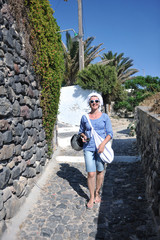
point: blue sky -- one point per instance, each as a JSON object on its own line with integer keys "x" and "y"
{"x": 128, "y": 26}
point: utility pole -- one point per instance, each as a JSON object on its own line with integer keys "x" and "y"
{"x": 80, "y": 33}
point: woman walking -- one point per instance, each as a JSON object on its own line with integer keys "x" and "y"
{"x": 94, "y": 165}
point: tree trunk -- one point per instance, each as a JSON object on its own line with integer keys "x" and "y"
{"x": 106, "y": 100}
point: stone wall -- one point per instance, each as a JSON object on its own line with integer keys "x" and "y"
{"x": 23, "y": 148}
{"x": 148, "y": 139}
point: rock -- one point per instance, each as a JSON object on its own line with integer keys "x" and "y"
{"x": 9, "y": 60}
{"x": 29, "y": 92}
{"x": 33, "y": 159}
{"x": 15, "y": 172}
{"x": 4, "y": 125}
{"x": 1, "y": 202}
{"x": 3, "y": 227}
{"x": 13, "y": 33}
{"x": 7, "y": 137}
{"x": 12, "y": 206}
{"x": 28, "y": 154}
{"x": 8, "y": 40}
{"x": 35, "y": 124}
{"x": 38, "y": 154}
{"x": 22, "y": 78}
{"x": 11, "y": 164}
{"x": 42, "y": 136}
{"x": 29, "y": 143}
{"x": 42, "y": 161}
{"x": 4, "y": 177}
{"x": 3, "y": 91}
{"x": 41, "y": 144}
{"x": 19, "y": 186}
{"x": 18, "y": 130}
{"x": 5, "y": 107}
{"x": 12, "y": 97}
{"x": 7, "y": 193}
{"x": 22, "y": 166}
{"x": 29, "y": 172}
{"x": 24, "y": 137}
{"x": 47, "y": 232}
{"x": 1, "y": 139}
{"x": 17, "y": 47}
{"x": 38, "y": 167}
{"x": 35, "y": 112}
{"x": 1, "y": 78}
{"x": 17, "y": 149}
{"x": 2, "y": 214}
{"x": 28, "y": 124}
{"x": 1, "y": 53}
{"x": 39, "y": 112}
{"x": 17, "y": 88}
{"x": 7, "y": 151}
{"x": 17, "y": 159}
{"x": 25, "y": 111}
{"x": 16, "y": 109}
{"x": 1, "y": 20}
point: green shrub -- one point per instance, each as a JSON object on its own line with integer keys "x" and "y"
{"x": 142, "y": 87}
{"x": 44, "y": 49}
{"x": 48, "y": 60}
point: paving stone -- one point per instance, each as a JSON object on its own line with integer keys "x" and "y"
{"x": 60, "y": 212}
{"x": 122, "y": 215}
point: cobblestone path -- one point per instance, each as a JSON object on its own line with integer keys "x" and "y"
{"x": 60, "y": 212}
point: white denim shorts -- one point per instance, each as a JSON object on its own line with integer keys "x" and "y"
{"x": 93, "y": 161}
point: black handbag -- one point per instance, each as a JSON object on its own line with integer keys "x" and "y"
{"x": 76, "y": 142}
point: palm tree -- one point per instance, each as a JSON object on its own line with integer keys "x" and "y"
{"x": 71, "y": 55}
{"x": 122, "y": 64}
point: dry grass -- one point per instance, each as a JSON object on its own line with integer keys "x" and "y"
{"x": 153, "y": 102}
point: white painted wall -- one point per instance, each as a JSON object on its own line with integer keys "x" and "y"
{"x": 73, "y": 104}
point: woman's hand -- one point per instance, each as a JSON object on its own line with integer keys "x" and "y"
{"x": 84, "y": 137}
{"x": 101, "y": 147}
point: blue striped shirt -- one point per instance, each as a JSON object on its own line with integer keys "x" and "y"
{"x": 101, "y": 125}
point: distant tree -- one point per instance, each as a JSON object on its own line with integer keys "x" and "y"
{"x": 140, "y": 88}
{"x": 121, "y": 63}
{"x": 71, "y": 55}
{"x": 99, "y": 78}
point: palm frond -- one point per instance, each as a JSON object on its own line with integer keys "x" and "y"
{"x": 127, "y": 75}
{"x": 121, "y": 63}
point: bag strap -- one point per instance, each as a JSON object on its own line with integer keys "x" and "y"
{"x": 87, "y": 116}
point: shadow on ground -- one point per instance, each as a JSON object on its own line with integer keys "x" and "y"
{"x": 125, "y": 147}
{"x": 124, "y": 211}
{"x": 74, "y": 177}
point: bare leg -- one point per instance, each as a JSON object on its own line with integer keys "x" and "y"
{"x": 99, "y": 181}
{"x": 91, "y": 186}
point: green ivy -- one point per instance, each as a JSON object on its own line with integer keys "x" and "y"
{"x": 48, "y": 60}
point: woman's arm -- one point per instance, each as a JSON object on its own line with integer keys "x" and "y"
{"x": 82, "y": 130}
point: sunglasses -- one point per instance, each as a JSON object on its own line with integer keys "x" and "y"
{"x": 96, "y": 101}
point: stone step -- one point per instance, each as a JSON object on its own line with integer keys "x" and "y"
{"x": 74, "y": 159}
{"x": 117, "y": 159}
